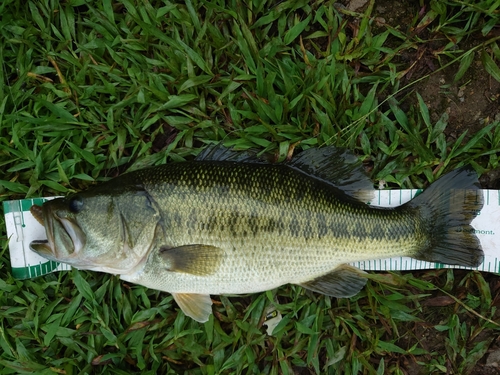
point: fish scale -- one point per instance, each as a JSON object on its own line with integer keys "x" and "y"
{"x": 230, "y": 223}
{"x": 273, "y": 213}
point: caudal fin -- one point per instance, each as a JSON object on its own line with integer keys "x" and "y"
{"x": 447, "y": 207}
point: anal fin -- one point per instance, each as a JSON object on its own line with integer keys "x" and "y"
{"x": 196, "y": 306}
{"x": 345, "y": 281}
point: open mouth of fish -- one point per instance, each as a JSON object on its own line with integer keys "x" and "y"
{"x": 64, "y": 236}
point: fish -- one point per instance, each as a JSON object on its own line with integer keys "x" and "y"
{"x": 230, "y": 222}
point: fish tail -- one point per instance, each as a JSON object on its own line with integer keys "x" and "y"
{"x": 446, "y": 209}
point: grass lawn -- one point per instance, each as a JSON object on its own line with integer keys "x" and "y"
{"x": 91, "y": 89}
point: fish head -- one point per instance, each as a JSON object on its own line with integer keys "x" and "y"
{"x": 91, "y": 231}
{"x": 64, "y": 236}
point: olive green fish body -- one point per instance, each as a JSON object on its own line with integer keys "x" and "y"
{"x": 273, "y": 224}
{"x": 229, "y": 224}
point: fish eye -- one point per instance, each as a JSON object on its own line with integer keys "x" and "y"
{"x": 75, "y": 204}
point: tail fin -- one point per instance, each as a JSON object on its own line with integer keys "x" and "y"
{"x": 447, "y": 207}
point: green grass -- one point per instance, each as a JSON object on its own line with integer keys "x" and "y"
{"x": 89, "y": 90}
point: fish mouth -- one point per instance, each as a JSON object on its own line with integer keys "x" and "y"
{"x": 64, "y": 236}
{"x": 42, "y": 247}
{"x": 37, "y": 212}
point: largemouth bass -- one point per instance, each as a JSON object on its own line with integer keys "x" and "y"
{"x": 229, "y": 223}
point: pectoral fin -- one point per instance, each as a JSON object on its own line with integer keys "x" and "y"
{"x": 196, "y": 306}
{"x": 199, "y": 260}
{"x": 345, "y": 281}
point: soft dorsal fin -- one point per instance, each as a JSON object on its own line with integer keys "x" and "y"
{"x": 338, "y": 167}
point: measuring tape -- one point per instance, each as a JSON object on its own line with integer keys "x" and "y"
{"x": 486, "y": 226}
{"x": 22, "y": 228}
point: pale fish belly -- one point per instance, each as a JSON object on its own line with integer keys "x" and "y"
{"x": 264, "y": 264}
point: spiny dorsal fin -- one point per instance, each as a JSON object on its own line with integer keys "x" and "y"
{"x": 345, "y": 281}
{"x": 218, "y": 152}
{"x": 200, "y": 260}
{"x": 339, "y": 167}
{"x": 196, "y": 306}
